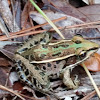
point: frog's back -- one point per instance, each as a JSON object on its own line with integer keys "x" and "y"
{"x": 52, "y": 50}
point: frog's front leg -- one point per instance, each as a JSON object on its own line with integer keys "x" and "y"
{"x": 68, "y": 81}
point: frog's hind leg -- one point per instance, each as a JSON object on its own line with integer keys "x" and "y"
{"x": 24, "y": 78}
{"x": 42, "y": 38}
{"x": 22, "y": 75}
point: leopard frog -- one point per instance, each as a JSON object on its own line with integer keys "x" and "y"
{"x": 40, "y": 59}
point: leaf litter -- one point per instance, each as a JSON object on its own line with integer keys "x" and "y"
{"x": 30, "y": 18}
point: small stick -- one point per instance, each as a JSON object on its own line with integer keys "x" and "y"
{"x": 4, "y": 88}
{"x": 90, "y": 95}
{"x": 92, "y": 81}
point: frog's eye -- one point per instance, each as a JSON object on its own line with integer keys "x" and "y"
{"x": 83, "y": 53}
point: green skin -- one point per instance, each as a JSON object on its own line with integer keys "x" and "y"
{"x": 77, "y": 48}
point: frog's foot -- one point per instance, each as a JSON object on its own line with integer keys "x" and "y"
{"x": 76, "y": 81}
{"x": 68, "y": 81}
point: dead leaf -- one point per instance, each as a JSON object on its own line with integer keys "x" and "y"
{"x": 68, "y": 33}
{"x": 4, "y": 62}
{"x": 93, "y": 63}
{"x": 17, "y": 86}
{"x": 92, "y": 12}
{"x": 69, "y": 10}
{"x": 38, "y": 18}
{"x": 25, "y": 22}
{"x": 3, "y": 76}
{"x": 7, "y": 16}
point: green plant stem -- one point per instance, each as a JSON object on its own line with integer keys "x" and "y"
{"x": 92, "y": 81}
{"x": 48, "y": 20}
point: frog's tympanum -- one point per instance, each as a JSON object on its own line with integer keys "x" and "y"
{"x": 40, "y": 59}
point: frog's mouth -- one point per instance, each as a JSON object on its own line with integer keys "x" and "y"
{"x": 96, "y": 48}
{"x": 88, "y": 53}
{"x": 91, "y": 52}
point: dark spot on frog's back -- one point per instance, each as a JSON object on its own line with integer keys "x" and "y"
{"x": 31, "y": 45}
{"x": 65, "y": 46}
{"x": 31, "y": 85}
{"x": 31, "y": 57}
{"x": 27, "y": 56}
{"x": 26, "y": 40}
{"x": 42, "y": 56}
{"x": 36, "y": 68}
{"x": 42, "y": 73}
{"x": 22, "y": 77}
{"x": 26, "y": 72}
{"x": 56, "y": 54}
{"x": 18, "y": 69}
{"x": 49, "y": 65}
{"x": 44, "y": 46}
{"x": 68, "y": 53}
{"x": 26, "y": 81}
{"x": 24, "y": 49}
{"x": 36, "y": 42}
{"x": 44, "y": 40}
{"x": 55, "y": 66}
{"x": 44, "y": 67}
{"x": 34, "y": 81}
{"x": 19, "y": 62}
{"x": 41, "y": 39}
{"x": 57, "y": 62}
{"x": 55, "y": 46}
{"x": 50, "y": 36}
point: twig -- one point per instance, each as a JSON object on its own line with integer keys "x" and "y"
{"x": 90, "y": 95}
{"x": 20, "y": 35}
{"x": 4, "y": 88}
{"x": 92, "y": 81}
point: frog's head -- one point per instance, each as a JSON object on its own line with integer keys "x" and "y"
{"x": 84, "y": 47}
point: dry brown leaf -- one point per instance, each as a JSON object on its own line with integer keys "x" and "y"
{"x": 17, "y": 86}
{"x": 25, "y": 22}
{"x": 38, "y": 18}
{"x": 3, "y": 76}
{"x": 92, "y": 12}
{"x": 7, "y": 16}
{"x": 4, "y": 62}
{"x": 69, "y": 10}
{"x": 93, "y": 63}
